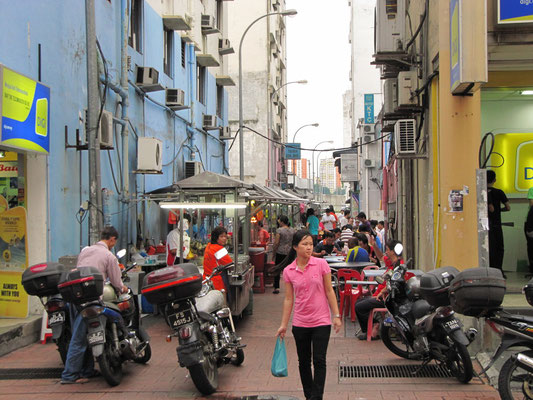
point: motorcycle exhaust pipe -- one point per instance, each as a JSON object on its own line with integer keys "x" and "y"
{"x": 523, "y": 361}
{"x": 471, "y": 334}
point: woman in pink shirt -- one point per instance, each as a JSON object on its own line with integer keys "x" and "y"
{"x": 308, "y": 288}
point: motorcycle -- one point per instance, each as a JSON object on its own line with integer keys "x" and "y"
{"x": 418, "y": 330}
{"x": 114, "y": 328}
{"x": 200, "y": 319}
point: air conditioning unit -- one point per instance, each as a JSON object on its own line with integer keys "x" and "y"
{"x": 174, "y": 97}
{"x": 210, "y": 122}
{"x": 390, "y": 88}
{"x": 404, "y": 136}
{"x": 225, "y": 133}
{"x": 390, "y": 26}
{"x": 193, "y": 168}
{"x": 369, "y": 129}
{"x": 146, "y": 76}
{"x": 407, "y": 85}
{"x": 105, "y": 129}
{"x": 149, "y": 154}
{"x": 368, "y": 163}
{"x": 367, "y": 138}
{"x": 208, "y": 22}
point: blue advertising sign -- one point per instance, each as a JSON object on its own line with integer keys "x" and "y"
{"x": 455, "y": 45}
{"x": 292, "y": 151}
{"x": 369, "y": 108}
{"x": 515, "y": 11}
{"x": 24, "y": 112}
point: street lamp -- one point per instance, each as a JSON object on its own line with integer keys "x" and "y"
{"x": 271, "y": 169}
{"x": 303, "y": 126}
{"x": 241, "y": 123}
{"x": 313, "y": 159}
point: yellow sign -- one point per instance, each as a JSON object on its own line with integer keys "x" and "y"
{"x": 512, "y": 160}
{"x": 13, "y": 297}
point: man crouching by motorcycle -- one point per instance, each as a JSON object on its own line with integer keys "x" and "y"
{"x": 79, "y": 366}
{"x": 364, "y": 306}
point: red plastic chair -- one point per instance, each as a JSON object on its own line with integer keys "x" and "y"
{"x": 370, "y": 324}
{"x": 348, "y": 296}
{"x": 369, "y": 289}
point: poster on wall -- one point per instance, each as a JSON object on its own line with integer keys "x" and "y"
{"x": 515, "y": 11}
{"x": 13, "y": 260}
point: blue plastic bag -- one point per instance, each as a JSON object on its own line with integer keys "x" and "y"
{"x": 279, "y": 360}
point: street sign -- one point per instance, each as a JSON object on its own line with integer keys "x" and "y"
{"x": 292, "y": 151}
{"x": 369, "y": 108}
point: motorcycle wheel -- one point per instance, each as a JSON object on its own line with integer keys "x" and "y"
{"x": 238, "y": 357}
{"x": 205, "y": 375}
{"x": 459, "y": 363}
{"x": 110, "y": 366}
{"x": 62, "y": 344}
{"x": 145, "y": 355}
{"x": 397, "y": 346}
{"x": 514, "y": 381}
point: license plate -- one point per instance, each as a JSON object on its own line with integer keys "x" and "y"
{"x": 97, "y": 337}
{"x": 56, "y": 318}
{"x": 180, "y": 318}
{"x": 452, "y": 325}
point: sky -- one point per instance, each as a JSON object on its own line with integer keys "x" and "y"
{"x": 318, "y": 51}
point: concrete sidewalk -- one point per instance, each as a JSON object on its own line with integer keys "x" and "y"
{"x": 162, "y": 377}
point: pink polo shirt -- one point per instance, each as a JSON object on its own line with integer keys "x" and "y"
{"x": 311, "y": 307}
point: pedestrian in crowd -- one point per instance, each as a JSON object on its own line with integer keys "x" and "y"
{"x": 346, "y": 233}
{"x": 282, "y": 246}
{"x": 528, "y": 229}
{"x": 361, "y": 217}
{"x": 344, "y": 219}
{"x": 363, "y": 228}
{"x": 381, "y": 230}
{"x": 329, "y": 220}
{"x": 365, "y": 305}
{"x": 337, "y": 237}
{"x": 373, "y": 251}
{"x": 308, "y": 288}
{"x": 355, "y": 252}
{"x": 326, "y": 246}
{"x": 312, "y": 224}
{"x": 219, "y": 238}
{"x": 262, "y": 234}
{"x": 495, "y": 199}
{"x": 174, "y": 240}
{"x": 79, "y": 365}
{"x": 377, "y": 233}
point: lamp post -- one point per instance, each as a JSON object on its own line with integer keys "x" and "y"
{"x": 271, "y": 169}
{"x": 241, "y": 123}
{"x": 303, "y": 126}
{"x": 313, "y": 159}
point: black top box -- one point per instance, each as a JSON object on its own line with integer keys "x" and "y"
{"x": 42, "y": 279}
{"x": 82, "y": 285}
{"x": 175, "y": 282}
{"x": 434, "y": 285}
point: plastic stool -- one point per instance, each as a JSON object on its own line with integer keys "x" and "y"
{"x": 370, "y": 323}
{"x": 259, "y": 283}
{"x": 46, "y": 332}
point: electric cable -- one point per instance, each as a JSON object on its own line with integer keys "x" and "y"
{"x": 235, "y": 137}
{"x": 482, "y": 149}
{"x": 413, "y": 38}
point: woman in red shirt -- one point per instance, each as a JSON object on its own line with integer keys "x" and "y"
{"x": 219, "y": 238}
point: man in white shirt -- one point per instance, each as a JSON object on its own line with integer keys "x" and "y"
{"x": 173, "y": 243}
{"x": 329, "y": 220}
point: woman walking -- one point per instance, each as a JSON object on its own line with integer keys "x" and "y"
{"x": 282, "y": 246}
{"x": 308, "y": 288}
{"x": 312, "y": 224}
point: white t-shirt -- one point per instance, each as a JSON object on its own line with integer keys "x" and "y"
{"x": 342, "y": 221}
{"x": 173, "y": 242}
{"x": 328, "y": 221}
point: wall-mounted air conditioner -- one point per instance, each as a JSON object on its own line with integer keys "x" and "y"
{"x": 146, "y": 76}
{"x": 208, "y": 22}
{"x": 390, "y": 26}
{"x": 149, "y": 154}
{"x": 369, "y": 129}
{"x": 105, "y": 129}
{"x": 224, "y": 47}
{"x": 368, "y": 138}
{"x": 210, "y": 122}
{"x": 368, "y": 163}
{"x": 225, "y": 133}
{"x": 174, "y": 97}
{"x": 193, "y": 168}
{"x": 407, "y": 85}
{"x": 404, "y": 136}
{"x": 390, "y": 88}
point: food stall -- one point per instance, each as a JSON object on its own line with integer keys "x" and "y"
{"x": 212, "y": 200}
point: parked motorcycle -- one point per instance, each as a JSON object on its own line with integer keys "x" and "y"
{"x": 200, "y": 319}
{"x": 425, "y": 328}
{"x": 41, "y": 280}
{"x": 115, "y": 332}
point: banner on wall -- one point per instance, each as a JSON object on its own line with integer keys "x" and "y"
{"x": 13, "y": 297}
{"x": 515, "y": 11}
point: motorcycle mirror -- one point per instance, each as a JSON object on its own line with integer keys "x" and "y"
{"x": 221, "y": 253}
{"x": 398, "y": 249}
{"x": 121, "y": 253}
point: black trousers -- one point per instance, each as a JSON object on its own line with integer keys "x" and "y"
{"x": 496, "y": 247}
{"x": 279, "y": 259}
{"x": 312, "y": 342}
{"x": 363, "y": 308}
{"x": 530, "y": 253}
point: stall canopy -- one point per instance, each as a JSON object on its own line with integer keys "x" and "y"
{"x": 263, "y": 193}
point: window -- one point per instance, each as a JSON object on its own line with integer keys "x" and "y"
{"x": 168, "y": 51}
{"x": 183, "y": 52}
{"x": 201, "y": 84}
{"x": 220, "y": 100}
{"x": 135, "y": 34}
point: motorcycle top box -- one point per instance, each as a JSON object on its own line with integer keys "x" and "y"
{"x": 82, "y": 285}
{"x": 476, "y": 290}
{"x": 528, "y": 291}
{"x": 434, "y": 285}
{"x": 172, "y": 283}
{"x": 42, "y": 279}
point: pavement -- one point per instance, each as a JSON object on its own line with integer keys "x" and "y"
{"x": 162, "y": 378}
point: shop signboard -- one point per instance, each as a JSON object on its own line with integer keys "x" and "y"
{"x": 24, "y": 112}
{"x": 513, "y": 154}
{"x": 515, "y": 11}
{"x": 349, "y": 171}
{"x": 369, "y": 108}
{"x": 292, "y": 151}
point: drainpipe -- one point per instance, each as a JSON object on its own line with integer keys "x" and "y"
{"x": 95, "y": 219}
{"x": 125, "y": 128}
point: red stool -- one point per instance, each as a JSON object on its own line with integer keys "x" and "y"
{"x": 370, "y": 324}
{"x": 350, "y": 295}
{"x": 259, "y": 283}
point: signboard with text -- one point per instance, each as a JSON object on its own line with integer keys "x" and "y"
{"x": 515, "y": 11}
{"x": 369, "y": 108}
{"x": 292, "y": 151}
{"x": 24, "y": 112}
{"x": 349, "y": 172}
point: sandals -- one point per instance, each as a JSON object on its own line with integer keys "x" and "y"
{"x": 72, "y": 382}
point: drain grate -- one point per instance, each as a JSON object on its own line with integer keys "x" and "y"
{"x": 30, "y": 373}
{"x": 393, "y": 371}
